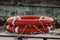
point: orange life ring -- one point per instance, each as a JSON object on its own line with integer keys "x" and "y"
{"x": 28, "y": 30}
{"x": 32, "y": 20}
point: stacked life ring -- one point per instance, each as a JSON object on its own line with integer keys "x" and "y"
{"x": 29, "y": 24}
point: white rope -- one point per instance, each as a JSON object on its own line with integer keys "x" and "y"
{"x": 40, "y": 21}
{"x": 18, "y": 17}
{"x": 13, "y": 22}
{"x": 14, "y": 19}
{"x": 24, "y": 29}
{"x": 41, "y": 17}
{"x": 37, "y": 28}
{"x": 10, "y": 18}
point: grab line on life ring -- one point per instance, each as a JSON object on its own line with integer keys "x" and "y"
{"x": 27, "y": 30}
{"x": 14, "y": 19}
{"x": 40, "y": 21}
{"x": 37, "y": 28}
{"x": 24, "y": 29}
{"x": 16, "y": 29}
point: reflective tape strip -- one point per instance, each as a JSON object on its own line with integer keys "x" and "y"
{"x": 48, "y": 28}
{"x": 16, "y": 29}
{"x": 7, "y": 26}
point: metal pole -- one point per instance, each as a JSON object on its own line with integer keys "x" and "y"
{"x": 44, "y": 38}
{"x": 21, "y": 38}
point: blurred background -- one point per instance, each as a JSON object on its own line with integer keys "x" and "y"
{"x": 7, "y": 11}
{"x": 29, "y": 7}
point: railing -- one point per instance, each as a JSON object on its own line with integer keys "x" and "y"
{"x": 24, "y": 37}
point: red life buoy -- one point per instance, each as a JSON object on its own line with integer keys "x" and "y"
{"x": 32, "y": 20}
{"x": 26, "y": 30}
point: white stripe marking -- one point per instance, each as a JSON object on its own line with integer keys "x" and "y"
{"x": 16, "y": 29}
